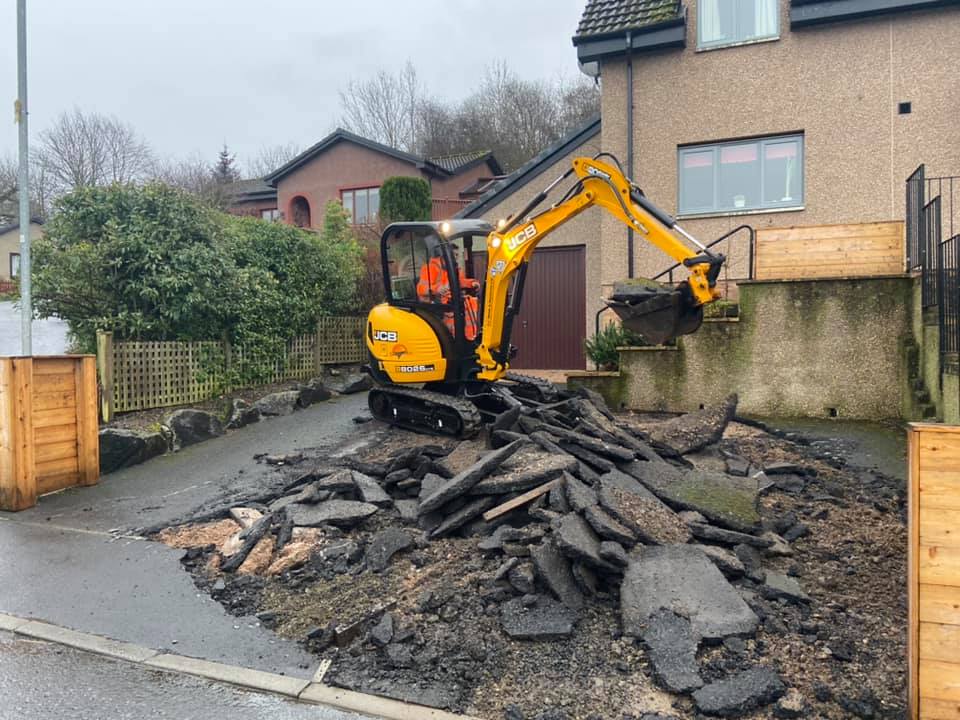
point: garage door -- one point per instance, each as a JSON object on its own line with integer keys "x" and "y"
{"x": 549, "y": 331}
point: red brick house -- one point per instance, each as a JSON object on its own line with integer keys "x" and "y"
{"x": 349, "y": 168}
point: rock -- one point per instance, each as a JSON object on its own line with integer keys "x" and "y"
{"x": 791, "y": 705}
{"x": 796, "y": 532}
{"x": 778, "y": 546}
{"x": 370, "y": 490}
{"x": 241, "y": 414}
{"x": 643, "y": 514}
{"x": 728, "y": 537}
{"x": 752, "y": 562}
{"x": 382, "y": 632}
{"x": 691, "y": 517}
{"x": 190, "y": 427}
{"x": 542, "y": 471}
{"x": 513, "y": 712}
{"x": 121, "y": 448}
{"x": 331, "y": 512}
{"x": 785, "y": 468}
{"x": 862, "y": 708}
{"x": 521, "y": 577}
{"x": 545, "y": 620}
{"x": 408, "y": 509}
{"x": 614, "y": 553}
{"x": 557, "y": 500}
{"x": 789, "y": 483}
{"x": 399, "y": 656}
{"x": 576, "y": 539}
{"x": 607, "y": 527}
{"x": 340, "y": 481}
{"x": 682, "y": 579}
{"x": 672, "y": 650}
{"x": 384, "y": 545}
{"x": 695, "y": 430}
{"x": 278, "y": 403}
{"x": 351, "y": 383}
{"x": 735, "y": 645}
{"x": 313, "y": 392}
{"x": 738, "y": 695}
{"x": 728, "y": 563}
{"x": 579, "y": 495}
{"x": 395, "y": 476}
{"x": 465, "y": 514}
{"x": 842, "y": 649}
{"x": 464, "y": 481}
{"x": 723, "y": 499}
{"x": 505, "y": 568}
{"x": 554, "y": 570}
{"x": 822, "y": 691}
{"x": 585, "y": 578}
{"x": 736, "y": 465}
{"x": 782, "y": 587}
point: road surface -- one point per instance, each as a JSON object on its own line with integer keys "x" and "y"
{"x": 49, "y": 336}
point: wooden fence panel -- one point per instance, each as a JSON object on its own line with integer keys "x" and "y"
{"x": 830, "y": 251}
{"x": 934, "y": 572}
{"x": 142, "y": 375}
{"x": 48, "y": 427}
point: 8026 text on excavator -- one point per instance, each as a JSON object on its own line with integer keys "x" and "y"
{"x": 440, "y": 345}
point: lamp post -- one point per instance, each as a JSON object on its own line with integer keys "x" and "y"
{"x": 26, "y": 305}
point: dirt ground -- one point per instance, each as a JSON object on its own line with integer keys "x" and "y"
{"x": 844, "y": 651}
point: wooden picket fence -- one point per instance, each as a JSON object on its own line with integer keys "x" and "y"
{"x": 140, "y": 375}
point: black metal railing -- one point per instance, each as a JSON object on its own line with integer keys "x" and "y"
{"x": 916, "y": 190}
{"x": 669, "y": 272}
{"x": 948, "y": 285}
{"x": 930, "y": 252}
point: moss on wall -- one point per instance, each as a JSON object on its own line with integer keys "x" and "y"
{"x": 799, "y": 348}
{"x": 951, "y": 398}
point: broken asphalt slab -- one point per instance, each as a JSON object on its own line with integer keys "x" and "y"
{"x": 672, "y": 649}
{"x": 681, "y": 578}
{"x": 738, "y": 695}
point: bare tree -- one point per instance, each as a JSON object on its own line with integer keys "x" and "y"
{"x": 269, "y": 158}
{"x": 384, "y": 108}
{"x": 82, "y": 149}
{"x": 8, "y": 182}
{"x": 193, "y": 175}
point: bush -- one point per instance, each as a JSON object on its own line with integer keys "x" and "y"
{"x": 152, "y": 263}
{"x": 405, "y": 199}
{"x": 602, "y": 347}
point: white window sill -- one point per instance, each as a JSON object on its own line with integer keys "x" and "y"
{"x": 755, "y": 41}
{"x": 735, "y": 213}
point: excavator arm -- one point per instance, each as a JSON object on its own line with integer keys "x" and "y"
{"x": 658, "y": 313}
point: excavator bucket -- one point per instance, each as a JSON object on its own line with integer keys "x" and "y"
{"x": 658, "y": 313}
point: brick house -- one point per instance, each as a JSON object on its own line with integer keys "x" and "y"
{"x": 775, "y": 113}
{"x": 10, "y": 248}
{"x": 349, "y": 168}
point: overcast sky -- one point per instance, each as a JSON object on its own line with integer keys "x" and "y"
{"x": 191, "y": 74}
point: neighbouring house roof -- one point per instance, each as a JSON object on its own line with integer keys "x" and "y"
{"x": 814, "y": 12}
{"x": 481, "y": 185}
{"x": 604, "y": 17}
{"x": 250, "y": 190}
{"x": 459, "y": 162}
{"x": 15, "y": 225}
{"x": 531, "y": 169}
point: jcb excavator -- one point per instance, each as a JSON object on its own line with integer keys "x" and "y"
{"x": 436, "y": 370}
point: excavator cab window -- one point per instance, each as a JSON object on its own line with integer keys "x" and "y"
{"x": 415, "y": 269}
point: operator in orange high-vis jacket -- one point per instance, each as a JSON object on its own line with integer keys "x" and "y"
{"x": 434, "y": 286}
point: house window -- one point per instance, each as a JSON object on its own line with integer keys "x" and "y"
{"x": 728, "y": 22}
{"x": 363, "y": 204}
{"x": 272, "y": 215}
{"x": 745, "y": 175}
{"x": 14, "y": 265}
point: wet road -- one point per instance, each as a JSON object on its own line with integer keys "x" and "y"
{"x": 39, "y": 680}
{"x": 49, "y": 337}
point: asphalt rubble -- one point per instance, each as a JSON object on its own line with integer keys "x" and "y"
{"x": 574, "y": 563}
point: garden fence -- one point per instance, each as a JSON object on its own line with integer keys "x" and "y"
{"x": 140, "y": 375}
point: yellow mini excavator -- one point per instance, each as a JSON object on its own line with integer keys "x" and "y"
{"x": 440, "y": 345}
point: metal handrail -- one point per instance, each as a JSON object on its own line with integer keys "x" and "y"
{"x": 753, "y": 234}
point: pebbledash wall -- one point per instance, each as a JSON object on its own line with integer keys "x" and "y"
{"x": 800, "y": 348}
{"x": 858, "y": 149}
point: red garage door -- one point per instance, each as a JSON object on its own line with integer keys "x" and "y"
{"x": 549, "y": 331}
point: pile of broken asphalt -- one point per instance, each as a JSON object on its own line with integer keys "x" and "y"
{"x": 580, "y": 564}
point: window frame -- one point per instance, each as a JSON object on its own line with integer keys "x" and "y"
{"x": 717, "y": 44}
{"x": 798, "y": 202}
{"x": 14, "y": 275}
{"x": 353, "y": 203}
{"x": 274, "y": 214}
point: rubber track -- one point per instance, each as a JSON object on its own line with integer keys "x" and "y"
{"x": 469, "y": 415}
{"x": 548, "y": 391}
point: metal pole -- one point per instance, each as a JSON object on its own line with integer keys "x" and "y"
{"x": 630, "y": 259}
{"x": 26, "y": 305}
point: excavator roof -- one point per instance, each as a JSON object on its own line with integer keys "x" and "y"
{"x": 449, "y": 228}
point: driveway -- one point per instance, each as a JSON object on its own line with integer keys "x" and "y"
{"x": 76, "y": 559}
{"x": 49, "y": 336}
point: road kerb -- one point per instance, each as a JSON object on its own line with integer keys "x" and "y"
{"x": 255, "y": 679}
{"x": 11, "y": 622}
{"x": 85, "y": 641}
{"x": 373, "y": 704}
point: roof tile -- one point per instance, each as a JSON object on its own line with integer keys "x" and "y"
{"x": 602, "y": 17}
